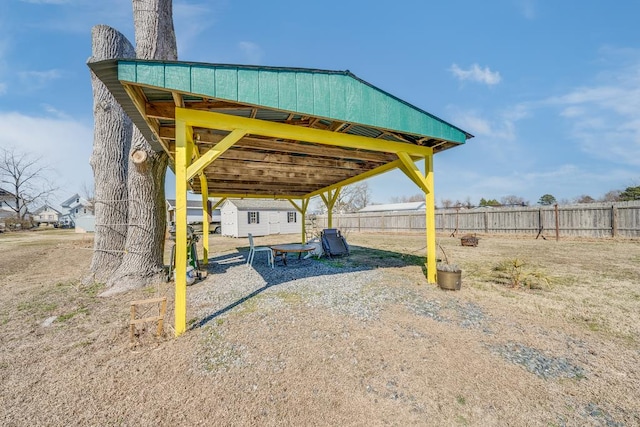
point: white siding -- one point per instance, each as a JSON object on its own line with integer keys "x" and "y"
{"x": 260, "y": 229}
{"x": 290, "y": 227}
{"x": 235, "y": 222}
{"x": 229, "y": 219}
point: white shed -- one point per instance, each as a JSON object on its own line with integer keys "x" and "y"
{"x": 259, "y": 217}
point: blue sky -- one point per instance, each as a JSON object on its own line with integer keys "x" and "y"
{"x": 550, "y": 89}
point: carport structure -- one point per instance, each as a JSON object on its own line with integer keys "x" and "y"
{"x": 272, "y": 132}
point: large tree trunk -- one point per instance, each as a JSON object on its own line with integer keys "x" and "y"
{"x": 111, "y": 145}
{"x": 143, "y": 261}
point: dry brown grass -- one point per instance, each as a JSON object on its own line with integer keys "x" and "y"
{"x": 429, "y": 358}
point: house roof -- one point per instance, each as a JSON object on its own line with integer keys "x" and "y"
{"x": 5, "y": 193}
{"x": 194, "y": 204}
{"x": 410, "y": 206}
{"x": 41, "y": 208}
{"x": 67, "y": 203}
{"x": 306, "y": 130}
{"x": 262, "y": 205}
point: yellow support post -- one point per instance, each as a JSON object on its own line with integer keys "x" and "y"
{"x": 425, "y": 182}
{"x": 430, "y": 220}
{"x": 329, "y": 201}
{"x": 184, "y": 143}
{"x": 303, "y": 212}
{"x": 206, "y": 217}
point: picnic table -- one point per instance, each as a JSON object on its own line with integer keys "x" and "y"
{"x": 282, "y": 250}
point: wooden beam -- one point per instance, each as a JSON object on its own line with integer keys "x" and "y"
{"x": 303, "y": 168}
{"x": 269, "y": 144}
{"x": 285, "y": 177}
{"x": 214, "y": 153}
{"x": 178, "y": 100}
{"x": 290, "y": 160}
{"x": 377, "y": 171}
{"x": 139, "y": 100}
{"x": 288, "y": 132}
{"x": 270, "y": 187}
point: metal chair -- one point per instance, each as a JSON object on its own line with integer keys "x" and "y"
{"x": 334, "y": 243}
{"x": 253, "y": 249}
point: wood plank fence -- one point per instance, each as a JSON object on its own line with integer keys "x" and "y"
{"x": 620, "y": 219}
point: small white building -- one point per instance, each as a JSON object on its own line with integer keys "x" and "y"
{"x": 46, "y": 215}
{"x": 75, "y": 207}
{"x": 395, "y": 207}
{"x": 259, "y": 217}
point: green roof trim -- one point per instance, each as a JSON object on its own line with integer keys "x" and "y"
{"x": 335, "y": 95}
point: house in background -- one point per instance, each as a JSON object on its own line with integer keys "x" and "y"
{"x": 46, "y": 214}
{"x": 194, "y": 214}
{"x": 259, "y": 217}
{"x": 73, "y": 208}
{"x": 8, "y": 205}
{"x": 395, "y": 207}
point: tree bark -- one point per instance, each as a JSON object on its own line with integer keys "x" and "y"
{"x": 111, "y": 144}
{"x": 143, "y": 261}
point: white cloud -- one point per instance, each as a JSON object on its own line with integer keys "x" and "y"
{"x": 476, "y": 74}
{"x": 603, "y": 117}
{"x": 38, "y": 79}
{"x": 191, "y": 21}
{"x": 501, "y": 127}
{"x": 63, "y": 144}
{"x": 252, "y": 52}
{"x": 4, "y": 47}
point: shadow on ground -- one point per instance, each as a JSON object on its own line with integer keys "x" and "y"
{"x": 360, "y": 258}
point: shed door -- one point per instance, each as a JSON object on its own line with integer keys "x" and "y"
{"x": 274, "y": 223}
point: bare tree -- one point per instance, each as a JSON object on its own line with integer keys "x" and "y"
{"x": 418, "y": 197}
{"x": 111, "y": 145}
{"x": 512, "y": 200}
{"x": 143, "y": 261}
{"x": 353, "y": 198}
{"x": 585, "y": 198}
{"x": 611, "y": 196}
{"x": 446, "y": 203}
{"x": 24, "y": 176}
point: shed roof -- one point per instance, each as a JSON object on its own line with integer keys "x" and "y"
{"x": 262, "y": 204}
{"x": 268, "y": 165}
{"x": 409, "y": 206}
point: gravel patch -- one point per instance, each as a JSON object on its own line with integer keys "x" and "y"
{"x": 534, "y": 361}
{"x": 466, "y": 315}
{"x": 316, "y": 283}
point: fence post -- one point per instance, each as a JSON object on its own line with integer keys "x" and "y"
{"x": 614, "y": 220}
{"x": 557, "y": 223}
{"x": 486, "y": 220}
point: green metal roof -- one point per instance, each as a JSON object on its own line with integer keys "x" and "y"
{"x": 332, "y": 101}
{"x": 335, "y": 95}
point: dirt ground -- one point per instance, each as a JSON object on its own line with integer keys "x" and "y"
{"x": 489, "y": 354}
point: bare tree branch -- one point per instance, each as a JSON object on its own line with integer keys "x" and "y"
{"x": 25, "y": 177}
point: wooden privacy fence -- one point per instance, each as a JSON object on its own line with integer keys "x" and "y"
{"x": 620, "y": 219}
